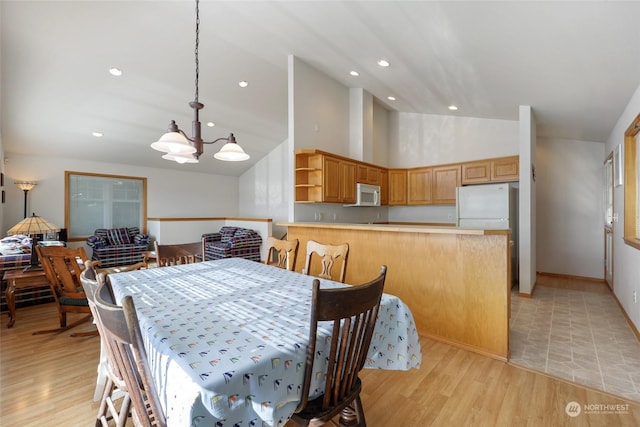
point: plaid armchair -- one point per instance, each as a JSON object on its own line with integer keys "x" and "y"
{"x": 118, "y": 246}
{"x": 232, "y": 242}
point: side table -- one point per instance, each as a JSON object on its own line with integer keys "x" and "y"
{"x": 20, "y": 279}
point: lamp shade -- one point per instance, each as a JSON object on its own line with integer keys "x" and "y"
{"x": 173, "y": 143}
{"x": 180, "y": 158}
{"x": 231, "y": 152}
{"x": 25, "y": 185}
{"x": 33, "y": 225}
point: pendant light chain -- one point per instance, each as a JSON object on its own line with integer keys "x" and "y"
{"x": 197, "y": 43}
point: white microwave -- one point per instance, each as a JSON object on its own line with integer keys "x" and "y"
{"x": 367, "y": 195}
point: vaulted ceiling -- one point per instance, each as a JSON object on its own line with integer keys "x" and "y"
{"x": 576, "y": 63}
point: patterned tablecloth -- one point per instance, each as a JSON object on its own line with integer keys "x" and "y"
{"x": 227, "y": 339}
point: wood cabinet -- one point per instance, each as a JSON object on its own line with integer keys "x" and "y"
{"x": 309, "y": 177}
{"x": 324, "y": 178}
{"x": 384, "y": 187}
{"x": 445, "y": 181}
{"x": 476, "y": 172}
{"x": 330, "y": 178}
{"x": 505, "y": 169}
{"x": 419, "y": 181}
{"x": 339, "y": 180}
{"x": 368, "y": 174}
{"x": 501, "y": 169}
{"x": 397, "y": 187}
{"x": 347, "y": 180}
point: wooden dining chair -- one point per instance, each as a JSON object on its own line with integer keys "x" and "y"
{"x": 350, "y": 313}
{"x": 115, "y": 403}
{"x": 329, "y": 255}
{"x": 282, "y": 253}
{"x": 183, "y": 253}
{"x": 62, "y": 266}
{"x": 125, "y": 343}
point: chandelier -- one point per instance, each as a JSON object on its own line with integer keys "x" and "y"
{"x": 184, "y": 149}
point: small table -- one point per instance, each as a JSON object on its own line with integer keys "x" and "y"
{"x": 21, "y": 279}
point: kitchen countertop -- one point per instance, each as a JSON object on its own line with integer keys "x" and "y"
{"x": 402, "y": 228}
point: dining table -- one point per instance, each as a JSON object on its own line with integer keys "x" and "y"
{"x": 227, "y": 339}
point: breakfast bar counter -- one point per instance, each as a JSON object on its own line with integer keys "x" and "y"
{"x": 456, "y": 281}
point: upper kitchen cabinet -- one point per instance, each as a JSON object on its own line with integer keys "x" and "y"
{"x": 309, "y": 177}
{"x": 384, "y": 187}
{"x": 368, "y": 174}
{"x": 501, "y": 169}
{"x": 419, "y": 182}
{"x": 397, "y": 187}
{"x": 505, "y": 169}
{"x": 324, "y": 178}
{"x": 347, "y": 179}
{"x": 445, "y": 181}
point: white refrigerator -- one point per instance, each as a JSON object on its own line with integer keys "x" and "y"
{"x": 493, "y": 206}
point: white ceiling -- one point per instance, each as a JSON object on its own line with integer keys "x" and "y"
{"x": 576, "y": 63}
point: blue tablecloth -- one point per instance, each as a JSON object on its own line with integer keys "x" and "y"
{"x": 227, "y": 339}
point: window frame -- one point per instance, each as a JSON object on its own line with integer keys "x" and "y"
{"x": 631, "y": 176}
{"x": 67, "y": 210}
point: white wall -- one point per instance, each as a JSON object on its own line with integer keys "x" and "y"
{"x": 266, "y": 188}
{"x": 569, "y": 207}
{"x": 626, "y": 259}
{"x": 320, "y": 110}
{"x": 527, "y": 201}
{"x": 169, "y": 193}
{"x": 426, "y": 139}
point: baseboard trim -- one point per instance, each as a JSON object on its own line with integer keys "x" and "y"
{"x": 568, "y": 276}
{"x": 626, "y": 316}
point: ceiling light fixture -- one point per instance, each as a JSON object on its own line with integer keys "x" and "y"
{"x": 114, "y": 71}
{"x": 391, "y": 98}
{"x": 383, "y": 63}
{"x": 354, "y": 73}
{"x": 97, "y": 134}
{"x": 243, "y": 83}
{"x": 183, "y": 149}
{"x": 452, "y": 107}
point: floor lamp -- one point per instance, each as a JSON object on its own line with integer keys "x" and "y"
{"x": 25, "y": 186}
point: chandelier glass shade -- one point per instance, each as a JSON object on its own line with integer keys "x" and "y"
{"x": 174, "y": 143}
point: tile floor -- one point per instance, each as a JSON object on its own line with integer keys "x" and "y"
{"x": 578, "y": 335}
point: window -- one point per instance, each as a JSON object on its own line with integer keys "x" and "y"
{"x": 608, "y": 191}
{"x": 103, "y": 201}
{"x": 632, "y": 184}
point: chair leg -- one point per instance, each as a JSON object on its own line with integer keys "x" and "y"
{"x": 353, "y": 415}
{"x": 65, "y": 328}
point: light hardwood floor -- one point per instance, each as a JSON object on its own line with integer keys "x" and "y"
{"x": 50, "y": 379}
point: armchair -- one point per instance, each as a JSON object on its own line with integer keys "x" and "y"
{"x": 118, "y": 246}
{"x": 232, "y": 242}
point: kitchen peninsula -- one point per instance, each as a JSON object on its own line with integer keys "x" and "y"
{"x": 456, "y": 281}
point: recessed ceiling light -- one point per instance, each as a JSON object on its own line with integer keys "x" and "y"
{"x": 391, "y": 98}
{"x": 354, "y": 73}
{"x": 97, "y": 134}
{"x": 211, "y": 124}
{"x": 452, "y": 107}
{"x": 114, "y": 71}
{"x": 383, "y": 63}
{"x": 243, "y": 83}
